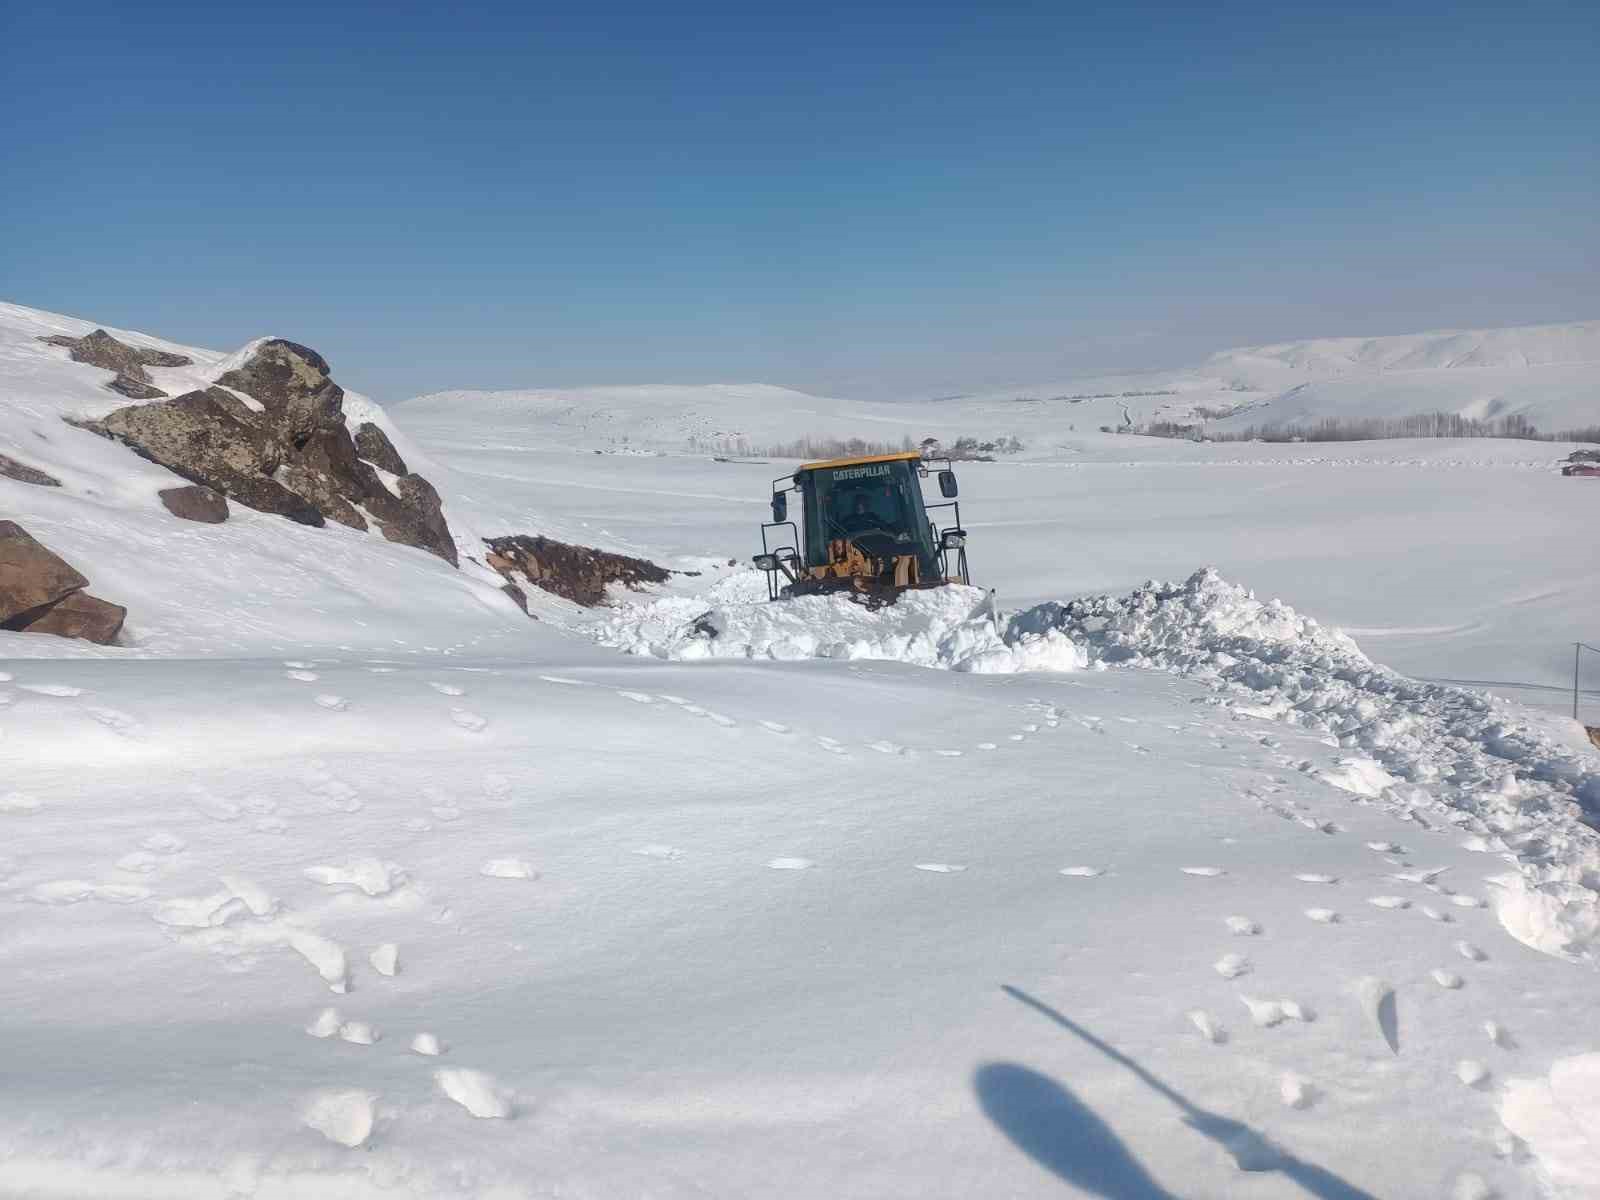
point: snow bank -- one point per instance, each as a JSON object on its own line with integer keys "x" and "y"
{"x": 1490, "y": 767}
{"x": 949, "y": 628}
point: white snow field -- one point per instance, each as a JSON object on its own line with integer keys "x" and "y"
{"x": 344, "y": 879}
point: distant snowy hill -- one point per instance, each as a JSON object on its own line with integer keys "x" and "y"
{"x": 1549, "y": 374}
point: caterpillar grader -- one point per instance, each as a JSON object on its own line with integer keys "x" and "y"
{"x": 865, "y": 529}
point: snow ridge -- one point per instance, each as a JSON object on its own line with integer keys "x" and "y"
{"x": 1431, "y": 752}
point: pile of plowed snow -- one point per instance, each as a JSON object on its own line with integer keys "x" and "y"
{"x": 950, "y": 628}
{"x": 1503, "y": 774}
{"x": 1499, "y": 772}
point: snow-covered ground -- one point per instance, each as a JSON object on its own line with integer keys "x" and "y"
{"x": 1214, "y": 906}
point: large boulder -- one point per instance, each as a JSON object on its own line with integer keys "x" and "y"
{"x": 195, "y": 502}
{"x": 295, "y": 456}
{"x": 293, "y": 383}
{"x": 30, "y": 575}
{"x": 41, "y": 593}
{"x": 100, "y": 349}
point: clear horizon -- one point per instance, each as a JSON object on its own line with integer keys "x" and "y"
{"x": 884, "y": 202}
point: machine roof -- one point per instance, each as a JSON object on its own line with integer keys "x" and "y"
{"x": 857, "y": 459}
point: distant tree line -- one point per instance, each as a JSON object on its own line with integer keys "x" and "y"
{"x": 1368, "y": 429}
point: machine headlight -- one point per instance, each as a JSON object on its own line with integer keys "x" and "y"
{"x": 953, "y": 539}
{"x": 766, "y": 562}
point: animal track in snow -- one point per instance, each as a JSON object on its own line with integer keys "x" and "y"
{"x": 987, "y": 746}
{"x": 1323, "y": 916}
{"x": 325, "y": 956}
{"x": 774, "y": 727}
{"x": 948, "y": 752}
{"x": 1208, "y": 1027}
{"x": 1242, "y": 926}
{"x": 1315, "y": 877}
{"x": 831, "y": 745}
{"x": 1231, "y": 966}
{"x": 1461, "y": 901}
{"x": 1434, "y": 914}
{"x": 637, "y": 697}
{"x": 1377, "y": 1000}
{"x": 717, "y": 718}
{"x": 446, "y": 812}
{"x": 1498, "y": 1034}
{"x": 1295, "y": 1091}
{"x": 325, "y": 1024}
{"x": 1264, "y": 1013}
{"x": 332, "y": 703}
{"x": 302, "y": 676}
{"x": 475, "y": 1091}
{"x": 447, "y": 689}
{"x": 1445, "y": 979}
{"x": 1385, "y": 848}
{"x": 385, "y": 959}
{"x": 120, "y": 723}
{"x": 335, "y": 793}
{"x": 1082, "y": 872}
{"x": 162, "y": 842}
{"x": 426, "y": 1043}
{"x": 941, "y": 868}
{"x": 20, "y": 802}
{"x": 1420, "y": 877}
{"x": 468, "y": 720}
{"x": 562, "y": 679}
{"x": 1390, "y": 902}
{"x": 791, "y": 864}
{"x": 678, "y": 700}
{"x": 508, "y": 868}
{"x": 218, "y": 808}
{"x": 1472, "y": 1073}
{"x": 359, "y": 1033}
{"x": 886, "y": 747}
{"x": 139, "y": 862}
{"x": 1470, "y": 952}
{"x": 1204, "y": 872}
{"x": 298, "y": 664}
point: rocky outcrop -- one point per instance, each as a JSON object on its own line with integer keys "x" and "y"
{"x": 22, "y": 473}
{"x": 578, "y": 573}
{"x": 195, "y": 502}
{"x": 41, "y": 593}
{"x": 295, "y": 457}
{"x": 373, "y": 444}
{"x": 100, "y": 349}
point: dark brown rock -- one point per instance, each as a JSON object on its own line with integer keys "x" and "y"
{"x": 31, "y": 577}
{"x": 373, "y": 444}
{"x": 195, "y": 502}
{"x": 22, "y": 473}
{"x": 517, "y": 594}
{"x": 100, "y": 349}
{"x": 134, "y": 390}
{"x": 293, "y": 383}
{"x": 579, "y": 573}
{"x": 76, "y": 615}
{"x": 416, "y": 518}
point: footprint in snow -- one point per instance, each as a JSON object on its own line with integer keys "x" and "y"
{"x": 415, "y": 825}
{"x": 470, "y": 721}
{"x": 1203, "y": 872}
{"x": 508, "y": 868}
{"x": 637, "y": 697}
{"x": 987, "y": 746}
{"x": 1461, "y": 901}
{"x": 678, "y": 700}
{"x": 1082, "y": 872}
{"x": 445, "y": 812}
{"x": 886, "y": 747}
{"x": 1446, "y": 979}
{"x": 1470, "y": 952}
{"x": 120, "y": 723}
{"x": 659, "y": 851}
{"x": 718, "y": 719}
{"x": 562, "y": 679}
{"x": 791, "y": 864}
{"x": 941, "y": 868}
{"x": 1377, "y": 1000}
{"x": 345, "y": 1118}
{"x": 359, "y": 1033}
{"x": 218, "y": 808}
{"x": 948, "y": 753}
{"x": 302, "y": 676}
{"x": 1296, "y": 1092}
{"x": 332, "y": 703}
{"x": 447, "y": 689}
{"x": 1231, "y": 966}
{"x": 1390, "y": 902}
{"x": 325, "y": 1024}
{"x": 63, "y": 691}
{"x": 1208, "y": 1027}
{"x": 1472, "y": 1073}
{"x": 1434, "y": 914}
{"x": 1499, "y": 1035}
{"x": 1313, "y": 877}
{"x": 476, "y": 1092}
{"x": 19, "y": 802}
{"x": 298, "y": 665}
{"x": 162, "y": 842}
{"x": 385, "y": 959}
{"x": 428, "y": 1044}
{"x": 774, "y": 727}
{"x": 1242, "y": 927}
{"x": 1386, "y": 847}
{"x": 1323, "y": 916}
{"x": 831, "y": 745}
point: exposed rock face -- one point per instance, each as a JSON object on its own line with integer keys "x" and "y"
{"x": 22, "y": 473}
{"x": 373, "y": 444}
{"x": 195, "y": 502}
{"x": 41, "y": 593}
{"x": 100, "y": 349}
{"x": 579, "y": 573}
{"x": 295, "y": 458}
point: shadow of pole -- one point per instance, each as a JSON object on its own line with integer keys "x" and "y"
{"x": 1250, "y": 1150}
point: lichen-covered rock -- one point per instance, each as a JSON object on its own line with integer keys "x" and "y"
{"x": 134, "y": 390}
{"x": 100, "y": 349}
{"x": 373, "y": 444}
{"x": 30, "y": 575}
{"x": 416, "y": 518}
{"x": 22, "y": 473}
{"x": 195, "y": 502}
{"x": 293, "y": 383}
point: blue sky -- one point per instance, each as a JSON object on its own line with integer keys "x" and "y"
{"x": 872, "y": 199}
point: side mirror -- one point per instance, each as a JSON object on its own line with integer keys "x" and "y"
{"x": 953, "y": 539}
{"x": 765, "y": 562}
{"x": 780, "y": 506}
{"x": 947, "y": 484}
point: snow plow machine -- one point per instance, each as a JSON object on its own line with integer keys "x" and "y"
{"x": 866, "y": 530}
